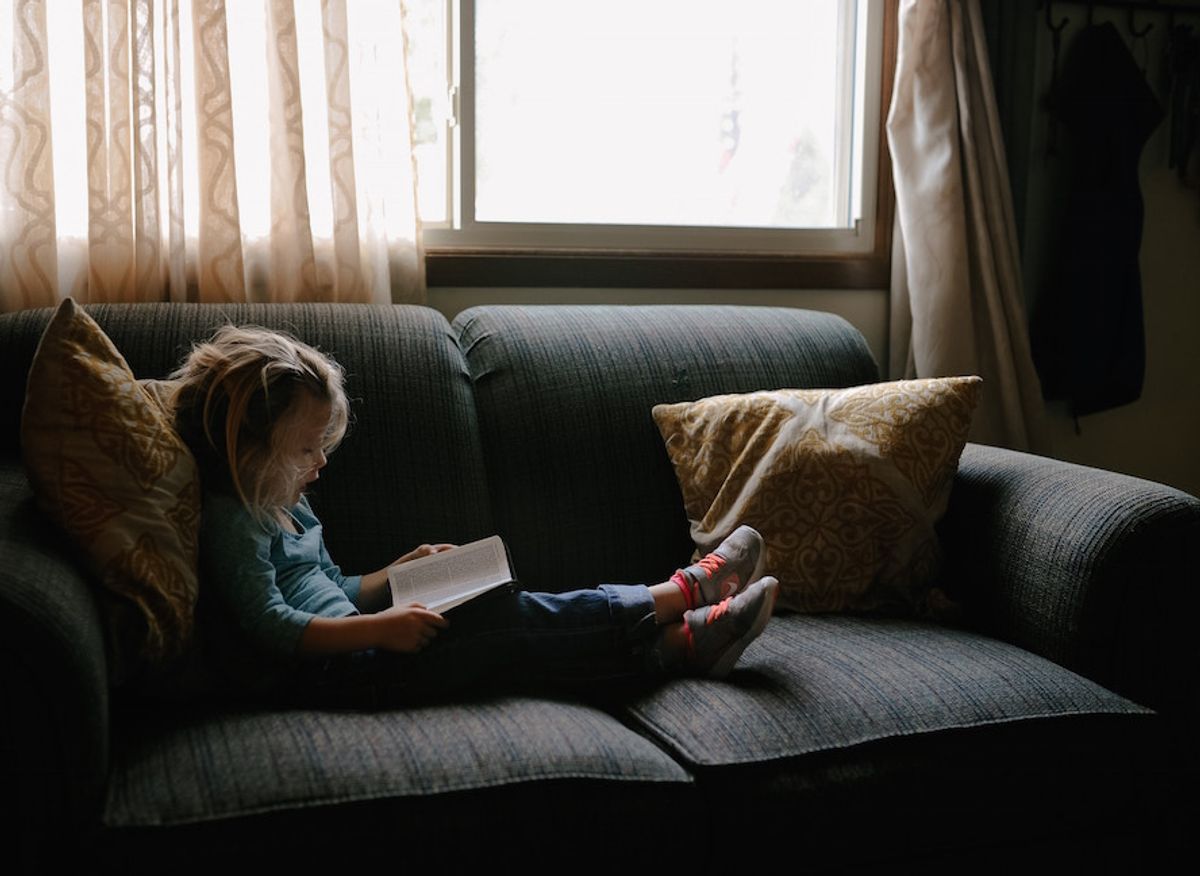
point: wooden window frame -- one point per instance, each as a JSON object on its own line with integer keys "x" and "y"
{"x": 582, "y": 267}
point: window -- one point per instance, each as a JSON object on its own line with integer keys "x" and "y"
{"x": 657, "y": 142}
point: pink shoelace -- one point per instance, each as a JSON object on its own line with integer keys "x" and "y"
{"x": 709, "y": 564}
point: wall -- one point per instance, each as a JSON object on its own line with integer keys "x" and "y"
{"x": 1158, "y": 436}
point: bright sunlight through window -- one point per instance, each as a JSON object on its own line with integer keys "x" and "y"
{"x": 544, "y": 117}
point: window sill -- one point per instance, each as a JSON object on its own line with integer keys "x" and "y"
{"x": 457, "y": 267}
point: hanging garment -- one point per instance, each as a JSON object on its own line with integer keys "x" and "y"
{"x": 1183, "y": 58}
{"x": 1087, "y": 327}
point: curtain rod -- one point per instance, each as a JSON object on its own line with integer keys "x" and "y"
{"x": 1189, "y": 8}
{"x": 1130, "y": 6}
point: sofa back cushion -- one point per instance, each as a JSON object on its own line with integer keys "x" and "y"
{"x": 410, "y": 469}
{"x": 582, "y": 488}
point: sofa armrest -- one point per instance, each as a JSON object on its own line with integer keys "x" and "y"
{"x": 53, "y": 678}
{"x": 1092, "y": 569}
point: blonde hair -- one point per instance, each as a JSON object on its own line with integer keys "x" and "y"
{"x": 233, "y": 394}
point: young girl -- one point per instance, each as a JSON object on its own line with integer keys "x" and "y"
{"x": 260, "y": 412}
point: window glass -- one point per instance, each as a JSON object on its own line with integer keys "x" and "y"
{"x": 534, "y": 117}
{"x": 672, "y": 112}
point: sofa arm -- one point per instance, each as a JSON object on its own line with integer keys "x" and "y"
{"x": 53, "y": 679}
{"x": 1091, "y": 569}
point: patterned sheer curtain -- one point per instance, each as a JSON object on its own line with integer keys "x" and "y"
{"x": 206, "y": 150}
{"x": 957, "y": 300}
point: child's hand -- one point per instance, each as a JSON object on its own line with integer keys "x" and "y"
{"x": 374, "y": 593}
{"x": 423, "y": 551}
{"x": 408, "y": 628}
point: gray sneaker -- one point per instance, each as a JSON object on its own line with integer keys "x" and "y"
{"x": 718, "y": 634}
{"x": 736, "y": 562}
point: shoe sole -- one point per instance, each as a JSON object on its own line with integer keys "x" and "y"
{"x": 725, "y": 664}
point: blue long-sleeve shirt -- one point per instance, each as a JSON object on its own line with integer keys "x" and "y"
{"x": 272, "y": 582}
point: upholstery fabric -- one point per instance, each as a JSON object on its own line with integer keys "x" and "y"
{"x": 584, "y": 489}
{"x": 1039, "y": 555}
{"x": 107, "y": 466}
{"x": 223, "y": 766}
{"x": 55, "y": 665}
{"x": 818, "y": 683}
{"x": 845, "y": 486}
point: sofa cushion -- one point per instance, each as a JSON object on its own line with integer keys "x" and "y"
{"x": 174, "y": 769}
{"x": 861, "y": 740}
{"x": 582, "y": 489}
{"x": 820, "y": 683}
{"x": 845, "y": 485}
{"x": 107, "y": 466}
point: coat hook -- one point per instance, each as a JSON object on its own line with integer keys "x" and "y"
{"x": 1138, "y": 34}
{"x": 1056, "y": 28}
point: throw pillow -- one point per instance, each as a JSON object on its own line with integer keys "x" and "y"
{"x": 845, "y": 485}
{"x": 106, "y": 465}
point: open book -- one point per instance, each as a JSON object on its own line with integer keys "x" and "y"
{"x": 443, "y": 580}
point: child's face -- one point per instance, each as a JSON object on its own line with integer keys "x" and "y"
{"x": 301, "y": 435}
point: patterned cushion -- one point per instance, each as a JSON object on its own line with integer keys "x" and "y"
{"x": 844, "y": 485}
{"x": 107, "y": 466}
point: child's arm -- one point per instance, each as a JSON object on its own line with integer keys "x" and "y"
{"x": 374, "y": 594}
{"x": 400, "y": 628}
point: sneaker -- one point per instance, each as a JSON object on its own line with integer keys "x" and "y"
{"x": 736, "y": 562}
{"x": 718, "y": 634}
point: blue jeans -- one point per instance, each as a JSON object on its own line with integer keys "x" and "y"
{"x": 506, "y": 638}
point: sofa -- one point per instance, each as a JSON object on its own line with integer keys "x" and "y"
{"x": 1052, "y": 720}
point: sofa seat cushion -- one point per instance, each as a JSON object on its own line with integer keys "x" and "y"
{"x": 868, "y": 743}
{"x": 867, "y": 740}
{"x": 182, "y": 769}
{"x": 820, "y": 683}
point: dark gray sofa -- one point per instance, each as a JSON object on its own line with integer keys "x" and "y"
{"x": 1055, "y": 723}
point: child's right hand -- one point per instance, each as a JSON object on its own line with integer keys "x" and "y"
{"x": 408, "y": 628}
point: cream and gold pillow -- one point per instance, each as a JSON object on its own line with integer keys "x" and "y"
{"x": 106, "y": 464}
{"x": 845, "y": 486}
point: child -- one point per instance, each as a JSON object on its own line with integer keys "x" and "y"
{"x": 261, "y": 411}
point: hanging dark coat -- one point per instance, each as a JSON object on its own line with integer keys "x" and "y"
{"x": 1087, "y": 328}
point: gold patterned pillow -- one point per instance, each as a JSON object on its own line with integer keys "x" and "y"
{"x": 106, "y": 465}
{"x": 845, "y": 486}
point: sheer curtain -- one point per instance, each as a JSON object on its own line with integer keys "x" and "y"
{"x": 957, "y": 300}
{"x": 206, "y": 150}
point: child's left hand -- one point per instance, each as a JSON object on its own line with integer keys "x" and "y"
{"x": 423, "y": 551}
{"x": 374, "y": 595}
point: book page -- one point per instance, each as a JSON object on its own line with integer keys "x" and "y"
{"x": 441, "y": 581}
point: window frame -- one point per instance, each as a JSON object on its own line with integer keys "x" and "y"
{"x": 467, "y": 264}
